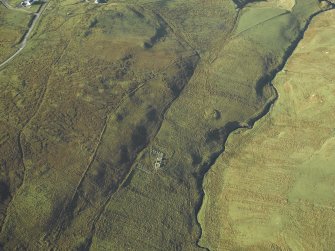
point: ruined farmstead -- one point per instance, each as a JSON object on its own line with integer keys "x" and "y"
{"x": 26, "y": 3}
{"x": 159, "y": 157}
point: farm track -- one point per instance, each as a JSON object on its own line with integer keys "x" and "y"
{"x": 25, "y": 37}
{"x": 6, "y": 4}
{"x": 42, "y": 95}
{"x": 260, "y": 23}
{"x": 56, "y": 233}
{"x": 20, "y": 144}
{"x": 183, "y": 40}
{"x": 181, "y": 37}
{"x": 132, "y": 168}
{"x": 40, "y": 102}
{"x": 53, "y": 235}
{"x": 59, "y": 224}
{"x": 40, "y": 99}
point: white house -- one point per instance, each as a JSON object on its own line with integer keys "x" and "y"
{"x": 27, "y": 2}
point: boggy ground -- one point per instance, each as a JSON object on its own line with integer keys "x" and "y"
{"x": 99, "y": 89}
{"x": 273, "y": 188}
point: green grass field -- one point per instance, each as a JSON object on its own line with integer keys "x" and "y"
{"x": 273, "y": 188}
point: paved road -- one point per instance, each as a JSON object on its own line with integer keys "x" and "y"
{"x": 26, "y": 36}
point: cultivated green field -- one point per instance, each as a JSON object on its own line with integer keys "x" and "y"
{"x": 273, "y": 188}
{"x": 102, "y": 90}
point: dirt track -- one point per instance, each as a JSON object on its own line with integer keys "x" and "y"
{"x": 26, "y": 35}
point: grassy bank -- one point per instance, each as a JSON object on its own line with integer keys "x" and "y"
{"x": 273, "y": 187}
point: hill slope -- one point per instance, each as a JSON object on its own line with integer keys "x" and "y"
{"x": 113, "y": 113}
{"x": 273, "y": 188}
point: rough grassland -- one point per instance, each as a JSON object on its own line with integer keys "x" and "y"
{"x": 100, "y": 89}
{"x": 93, "y": 107}
{"x": 13, "y": 25}
{"x": 191, "y": 136}
{"x": 273, "y": 188}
